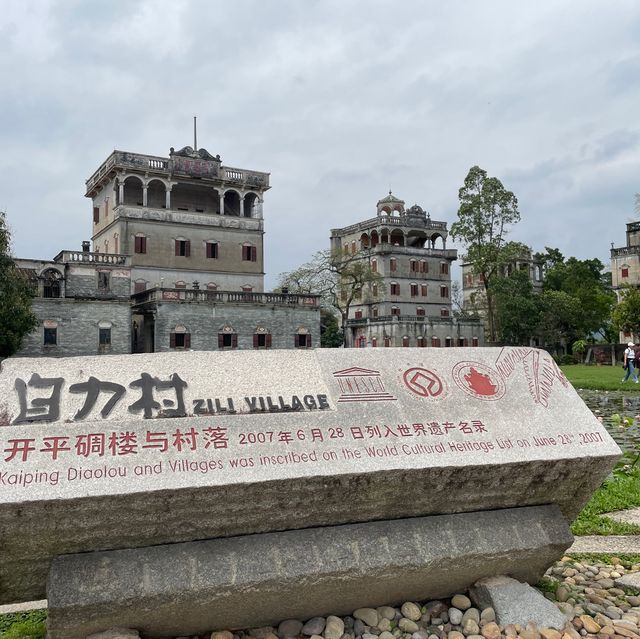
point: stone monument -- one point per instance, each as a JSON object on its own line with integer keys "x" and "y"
{"x": 157, "y": 490}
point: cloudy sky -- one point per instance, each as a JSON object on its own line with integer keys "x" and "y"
{"x": 340, "y": 100}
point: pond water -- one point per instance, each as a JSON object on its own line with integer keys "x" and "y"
{"x": 610, "y": 404}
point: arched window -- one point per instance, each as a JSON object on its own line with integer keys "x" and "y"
{"x": 420, "y": 311}
{"x": 421, "y": 341}
{"x": 374, "y": 342}
{"x": 405, "y": 341}
{"x": 374, "y": 265}
{"x": 51, "y": 279}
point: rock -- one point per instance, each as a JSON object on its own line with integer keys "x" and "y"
{"x": 386, "y": 635}
{"x": 334, "y": 628}
{"x": 490, "y": 631}
{"x": 454, "y": 634}
{"x": 384, "y": 625}
{"x": 471, "y": 613}
{"x": 420, "y": 634}
{"x": 368, "y": 616}
{"x": 314, "y": 626}
{"x": 289, "y": 628}
{"x": 488, "y": 614}
{"x": 515, "y": 602}
{"x": 116, "y": 633}
{"x": 562, "y": 594}
{"x": 387, "y": 612}
{"x": 462, "y": 602}
{"x": 358, "y": 627}
{"x": 407, "y": 625}
{"x": 470, "y": 627}
{"x": 530, "y": 632}
{"x": 411, "y": 611}
{"x": 549, "y": 633}
{"x": 589, "y": 624}
{"x": 222, "y": 634}
{"x": 455, "y": 616}
{"x": 261, "y": 633}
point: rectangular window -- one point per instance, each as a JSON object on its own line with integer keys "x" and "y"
{"x": 140, "y": 244}
{"x": 424, "y": 290}
{"x": 227, "y": 340}
{"x": 393, "y": 264}
{"x": 96, "y": 214}
{"x": 624, "y": 272}
{"x": 420, "y": 312}
{"x": 444, "y": 312}
{"x": 139, "y": 287}
{"x": 104, "y": 338}
{"x": 358, "y": 314}
{"x": 387, "y": 342}
{"x": 424, "y": 267}
{"x": 180, "y": 340}
{"x": 50, "y": 336}
{"x": 374, "y": 290}
{"x": 444, "y": 268}
{"x": 444, "y": 291}
{"x": 262, "y": 340}
{"x": 414, "y": 290}
{"x": 395, "y": 310}
{"x": 103, "y": 280}
{"x": 374, "y": 266}
{"x": 212, "y": 250}
{"x": 395, "y": 289}
{"x": 183, "y": 248}
{"x": 249, "y": 253}
{"x": 303, "y": 341}
{"x": 413, "y": 266}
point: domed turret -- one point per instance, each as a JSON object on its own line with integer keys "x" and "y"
{"x": 390, "y": 205}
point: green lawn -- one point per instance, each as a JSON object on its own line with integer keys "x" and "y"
{"x": 598, "y": 377}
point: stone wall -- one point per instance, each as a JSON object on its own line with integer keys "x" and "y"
{"x": 203, "y": 322}
{"x": 77, "y": 323}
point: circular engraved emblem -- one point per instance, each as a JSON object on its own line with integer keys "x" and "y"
{"x": 423, "y": 382}
{"x": 479, "y": 380}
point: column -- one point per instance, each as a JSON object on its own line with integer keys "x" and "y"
{"x": 167, "y": 197}
{"x": 144, "y": 194}
{"x": 241, "y": 205}
{"x": 221, "y": 203}
{"x": 120, "y": 191}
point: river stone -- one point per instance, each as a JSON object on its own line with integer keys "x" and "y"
{"x": 314, "y": 626}
{"x": 303, "y": 442}
{"x": 406, "y": 625}
{"x": 411, "y": 611}
{"x": 369, "y": 616}
{"x": 289, "y": 628}
{"x": 334, "y": 628}
{"x": 387, "y": 612}
{"x": 455, "y": 616}
{"x": 462, "y": 602}
{"x": 516, "y": 603}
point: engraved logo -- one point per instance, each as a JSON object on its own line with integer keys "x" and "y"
{"x": 423, "y": 382}
{"x": 479, "y": 380}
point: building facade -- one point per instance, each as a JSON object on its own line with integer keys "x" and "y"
{"x": 625, "y": 269}
{"x": 177, "y": 264}
{"x": 411, "y": 303}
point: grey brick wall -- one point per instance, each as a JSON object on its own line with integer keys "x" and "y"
{"x": 77, "y": 327}
{"x": 204, "y": 322}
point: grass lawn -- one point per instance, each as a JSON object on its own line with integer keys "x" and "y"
{"x": 23, "y": 625}
{"x": 598, "y": 377}
{"x": 620, "y": 492}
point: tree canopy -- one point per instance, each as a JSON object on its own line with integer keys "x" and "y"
{"x": 16, "y": 316}
{"x": 339, "y": 278}
{"x": 626, "y": 315}
{"x": 486, "y": 211}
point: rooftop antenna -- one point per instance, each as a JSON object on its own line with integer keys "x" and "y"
{"x": 195, "y": 138}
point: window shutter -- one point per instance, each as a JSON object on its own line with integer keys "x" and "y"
{"x": 220, "y": 340}
{"x": 143, "y": 245}
{"x": 255, "y": 341}
{"x": 267, "y": 340}
{"x": 254, "y": 254}
{"x": 172, "y": 340}
{"x": 309, "y": 340}
{"x": 187, "y": 340}
{"x": 296, "y": 340}
{"x": 136, "y": 244}
{"x": 177, "y": 246}
{"x": 187, "y": 248}
{"x": 234, "y": 340}
{"x": 96, "y": 214}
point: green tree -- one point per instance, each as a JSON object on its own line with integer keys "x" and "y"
{"x": 16, "y": 317}
{"x": 586, "y": 281}
{"x": 486, "y": 211}
{"x": 560, "y": 319}
{"x": 626, "y": 315}
{"x": 517, "y": 309}
{"x": 340, "y": 279}
{"x": 330, "y": 332}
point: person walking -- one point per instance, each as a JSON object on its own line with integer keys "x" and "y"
{"x": 629, "y": 363}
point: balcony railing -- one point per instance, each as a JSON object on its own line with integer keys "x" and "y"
{"x": 420, "y": 319}
{"x": 88, "y": 257}
{"x": 410, "y": 221}
{"x": 161, "y": 294}
{"x": 625, "y": 250}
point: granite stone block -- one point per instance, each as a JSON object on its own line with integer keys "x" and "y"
{"x": 257, "y": 580}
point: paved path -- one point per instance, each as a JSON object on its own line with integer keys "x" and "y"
{"x": 631, "y": 516}
{"x": 22, "y": 607}
{"x": 623, "y": 544}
